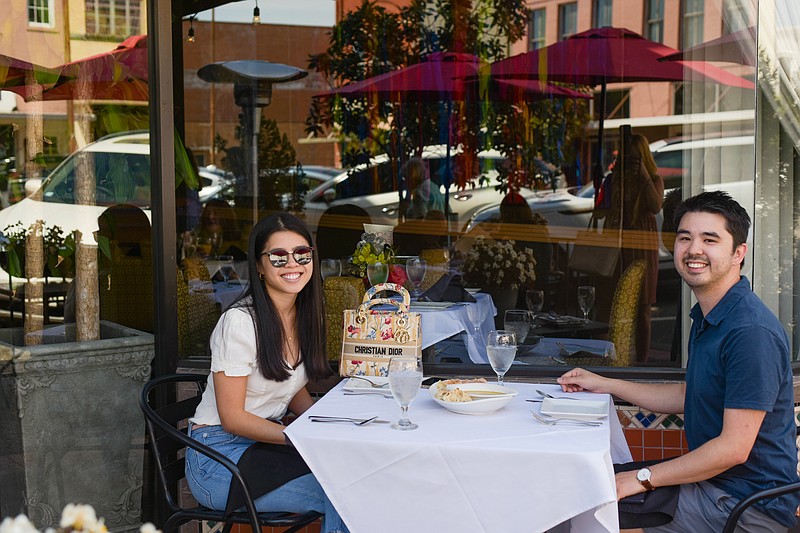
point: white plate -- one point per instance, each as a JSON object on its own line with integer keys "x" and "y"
{"x": 575, "y": 409}
{"x": 359, "y": 385}
{"x": 476, "y": 407}
{"x": 431, "y": 305}
{"x": 472, "y": 290}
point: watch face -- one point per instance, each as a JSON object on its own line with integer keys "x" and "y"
{"x": 643, "y": 474}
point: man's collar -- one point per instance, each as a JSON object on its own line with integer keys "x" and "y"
{"x": 724, "y": 306}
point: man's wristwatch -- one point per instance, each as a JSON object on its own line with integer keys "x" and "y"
{"x": 643, "y": 476}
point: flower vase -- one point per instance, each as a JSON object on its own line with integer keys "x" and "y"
{"x": 504, "y": 298}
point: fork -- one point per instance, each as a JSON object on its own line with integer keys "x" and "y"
{"x": 355, "y": 421}
{"x": 554, "y": 421}
{"x": 546, "y": 395}
{"x": 372, "y": 383}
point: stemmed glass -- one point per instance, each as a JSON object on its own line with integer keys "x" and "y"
{"x": 330, "y": 267}
{"x": 519, "y": 322}
{"x": 189, "y": 243}
{"x": 226, "y": 269}
{"x": 415, "y": 269}
{"x": 215, "y": 240}
{"x": 501, "y": 347}
{"x": 405, "y": 379}
{"x": 535, "y": 301}
{"x": 585, "y": 300}
{"x": 377, "y": 273}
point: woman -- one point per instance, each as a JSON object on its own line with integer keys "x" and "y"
{"x": 260, "y": 364}
{"x": 425, "y": 194}
{"x": 636, "y": 209}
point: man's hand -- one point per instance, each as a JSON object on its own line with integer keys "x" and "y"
{"x": 627, "y": 484}
{"x": 578, "y": 379}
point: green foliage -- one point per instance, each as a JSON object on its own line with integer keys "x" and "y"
{"x": 59, "y": 251}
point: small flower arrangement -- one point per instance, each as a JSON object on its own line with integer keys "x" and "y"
{"x": 74, "y": 519}
{"x": 495, "y": 263}
{"x": 372, "y": 249}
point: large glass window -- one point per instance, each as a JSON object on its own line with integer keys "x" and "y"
{"x": 602, "y": 13}
{"x": 654, "y": 20}
{"x": 567, "y": 20}
{"x": 538, "y": 28}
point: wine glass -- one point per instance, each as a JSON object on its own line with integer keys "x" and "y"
{"x": 226, "y": 269}
{"x": 519, "y": 322}
{"x": 535, "y": 301}
{"x": 415, "y": 269}
{"x": 189, "y": 243}
{"x": 215, "y": 239}
{"x": 330, "y": 267}
{"x": 405, "y": 379}
{"x": 377, "y": 273}
{"x": 585, "y": 300}
{"x": 501, "y": 347}
{"x": 475, "y": 317}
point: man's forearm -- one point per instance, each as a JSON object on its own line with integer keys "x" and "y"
{"x": 657, "y": 397}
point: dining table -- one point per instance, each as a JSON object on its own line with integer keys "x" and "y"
{"x": 501, "y": 471}
{"x": 471, "y": 320}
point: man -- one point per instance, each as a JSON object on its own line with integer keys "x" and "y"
{"x": 737, "y": 400}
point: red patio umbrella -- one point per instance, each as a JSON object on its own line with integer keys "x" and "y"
{"x": 737, "y": 47}
{"x": 120, "y": 74}
{"x": 25, "y": 78}
{"x": 607, "y": 55}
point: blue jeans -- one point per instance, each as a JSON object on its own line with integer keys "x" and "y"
{"x": 209, "y": 481}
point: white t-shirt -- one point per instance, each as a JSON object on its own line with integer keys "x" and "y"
{"x": 233, "y": 351}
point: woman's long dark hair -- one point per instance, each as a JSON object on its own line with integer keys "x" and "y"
{"x": 310, "y": 315}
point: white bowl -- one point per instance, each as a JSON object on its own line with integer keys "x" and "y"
{"x": 479, "y": 406}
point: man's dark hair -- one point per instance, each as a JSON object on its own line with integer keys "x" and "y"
{"x": 737, "y": 221}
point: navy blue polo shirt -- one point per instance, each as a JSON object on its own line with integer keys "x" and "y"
{"x": 739, "y": 359}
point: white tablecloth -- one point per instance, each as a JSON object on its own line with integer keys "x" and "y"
{"x": 502, "y": 472}
{"x": 440, "y": 324}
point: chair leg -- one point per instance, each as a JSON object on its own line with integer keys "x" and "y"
{"x": 227, "y": 528}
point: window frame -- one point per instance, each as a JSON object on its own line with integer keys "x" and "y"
{"x": 132, "y": 23}
{"x": 599, "y": 8}
{"x": 563, "y": 32}
{"x": 654, "y": 21}
{"x": 537, "y": 17}
{"x": 41, "y": 6}
{"x": 696, "y": 18}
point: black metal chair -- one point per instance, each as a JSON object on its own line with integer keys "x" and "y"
{"x": 167, "y": 431}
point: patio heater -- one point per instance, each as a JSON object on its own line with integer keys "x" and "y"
{"x": 252, "y": 89}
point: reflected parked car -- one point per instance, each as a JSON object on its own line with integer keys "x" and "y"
{"x": 374, "y": 187}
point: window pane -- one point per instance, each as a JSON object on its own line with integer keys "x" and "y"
{"x": 567, "y": 20}
{"x": 654, "y": 20}
{"x": 602, "y": 13}
{"x": 537, "y": 29}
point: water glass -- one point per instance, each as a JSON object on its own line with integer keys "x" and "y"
{"x": 501, "y": 347}
{"x": 405, "y": 379}
{"x": 534, "y": 299}
{"x": 226, "y": 268}
{"x": 330, "y": 267}
{"x": 377, "y": 273}
{"x": 586, "y": 300}
{"x": 415, "y": 270}
{"x": 519, "y": 322}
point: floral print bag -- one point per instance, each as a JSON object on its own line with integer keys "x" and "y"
{"x": 373, "y": 336}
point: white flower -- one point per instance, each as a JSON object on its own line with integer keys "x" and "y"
{"x": 149, "y": 527}
{"x": 80, "y": 518}
{"x": 20, "y": 524}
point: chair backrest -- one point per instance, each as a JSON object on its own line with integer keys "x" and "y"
{"x": 437, "y": 267}
{"x": 167, "y": 426}
{"x": 624, "y": 309}
{"x": 339, "y": 229}
{"x": 341, "y": 292}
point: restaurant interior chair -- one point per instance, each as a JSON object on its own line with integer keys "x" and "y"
{"x": 198, "y": 311}
{"x": 168, "y": 439}
{"x": 622, "y": 322}
{"x": 341, "y": 292}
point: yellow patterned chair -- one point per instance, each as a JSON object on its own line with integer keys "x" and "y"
{"x": 126, "y": 288}
{"x": 437, "y": 266}
{"x": 341, "y": 292}
{"x": 622, "y": 324}
{"x": 198, "y": 312}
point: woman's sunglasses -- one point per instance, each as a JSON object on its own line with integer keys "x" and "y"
{"x": 303, "y": 255}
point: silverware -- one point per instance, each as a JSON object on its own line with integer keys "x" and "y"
{"x": 372, "y": 383}
{"x": 356, "y": 421}
{"x": 381, "y": 392}
{"x": 554, "y": 421}
{"x": 545, "y": 395}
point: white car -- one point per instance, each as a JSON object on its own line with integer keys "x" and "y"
{"x": 374, "y": 187}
